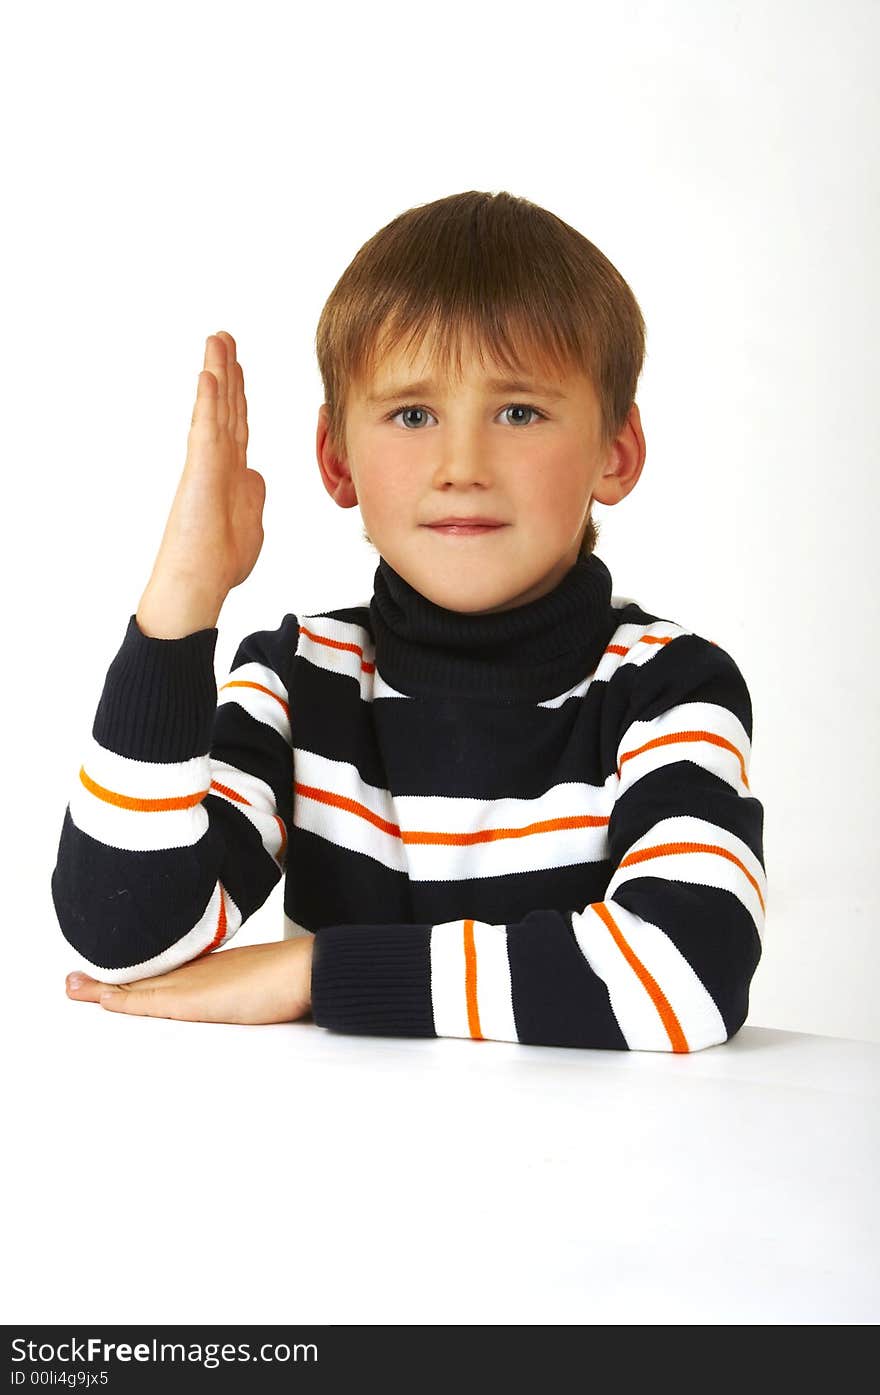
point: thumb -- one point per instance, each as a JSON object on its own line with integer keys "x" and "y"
{"x": 142, "y": 1002}
{"x": 116, "y": 999}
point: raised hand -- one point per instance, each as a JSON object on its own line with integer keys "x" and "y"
{"x": 214, "y": 531}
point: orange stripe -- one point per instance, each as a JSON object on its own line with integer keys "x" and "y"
{"x": 491, "y": 835}
{"x": 158, "y": 806}
{"x": 240, "y": 799}
{"x": 649, "y": 983}
{"x": 280, "y": 822}
{"x": 665, "y": 849}
{"x": 483, "y": 835}
{"x": 150, "y": 806}
{"x": 339, "y": 644}
{"x": 351, "y": 806}
{"x": 470, "y": 981}
{"x": 244, "y": 683}
{"x": 674, "y": 736}
{"x": 230, "y": 793}
{"x": 220, "y": 934}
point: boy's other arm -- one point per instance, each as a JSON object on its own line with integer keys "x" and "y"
{"x": 178, "y": 826}
{"x": 662, "y": 963}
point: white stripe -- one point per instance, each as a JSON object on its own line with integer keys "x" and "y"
{"x": 507, "y": 852}
{"x": 183, "y": 950}
{"x": 451, "y": 815}
{"x": 448, "y": 997}
{"x": 687, "y": 716}
{"x": 494, "y": 989}
{"x": 138, "y": 830}
{"x": 636, "y": 1013}
{"x": 141, "y": 779}
{"x": 624, "y": 637}
{"x": 642, "y": 653}
{"x": 697, "y": 868}
{"x": 449, "y": 981}
{"x": 381, "y": 689}
{"x": 261, "y": 706}
{"x": 260, "y": 809}
{"x": 332, "y": 659}
{"x": 346, "y": 828}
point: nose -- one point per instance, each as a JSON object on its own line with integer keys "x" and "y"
{"x": 464, "y": 460}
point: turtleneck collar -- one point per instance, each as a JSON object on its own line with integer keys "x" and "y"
{"x": 530, "y": 653}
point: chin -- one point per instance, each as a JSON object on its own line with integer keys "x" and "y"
{"x": 469, "y": 597}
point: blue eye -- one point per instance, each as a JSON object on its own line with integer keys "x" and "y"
{"x": 511, "y": 407}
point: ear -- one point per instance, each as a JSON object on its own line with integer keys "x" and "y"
{"x": 333, "y": 465}
{"x": 623, "y": 463}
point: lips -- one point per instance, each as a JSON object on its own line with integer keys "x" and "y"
{"x": 475, "y": 522}
{"x": 465, "y": 528}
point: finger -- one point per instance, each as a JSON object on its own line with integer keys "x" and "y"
{"x": 140, "y": 1002}
{"x": 216, "y": 362}
{"x": 238, "y": 419}
{"x": 232, "y": 371}
{"x": 84, "y": 988}
{"x": 205, "y": 408}
{"x": 149, "y": 1002}
{"x": 241, "y": 428}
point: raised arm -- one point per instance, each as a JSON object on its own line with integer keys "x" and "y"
{"x": 177, "y": 828}
{"x": 662, "y": 963}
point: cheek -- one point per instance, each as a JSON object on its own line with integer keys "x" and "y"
{"x": 386, "y": 484}
{"x": 555, "y": 485}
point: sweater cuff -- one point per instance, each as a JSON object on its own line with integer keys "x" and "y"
{"x": 373, "y": 979}
{"x": 159, "y": 697}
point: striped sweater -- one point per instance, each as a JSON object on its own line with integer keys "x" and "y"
{"x": 531, "y": 825}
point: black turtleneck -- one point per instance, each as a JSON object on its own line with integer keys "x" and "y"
{"x": 584, "y": 872}
{"x": 531, "y": 652}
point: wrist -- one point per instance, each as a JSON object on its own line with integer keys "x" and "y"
{"x": 170, "y": 609}
{"x": 300, "y": 949}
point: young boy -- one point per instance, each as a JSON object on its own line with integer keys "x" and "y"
{"x": 509, "y": 804}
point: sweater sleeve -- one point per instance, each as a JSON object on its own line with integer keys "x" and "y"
{"x": 662, "y": 963}
{"x": 177, "y": 828}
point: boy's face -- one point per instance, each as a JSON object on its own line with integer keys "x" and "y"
{"x": 470, "y": 447}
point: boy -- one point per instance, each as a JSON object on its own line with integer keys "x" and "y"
{"x": 510, "y": 805}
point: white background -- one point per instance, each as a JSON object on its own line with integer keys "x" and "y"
{"x": 171, "y": 171}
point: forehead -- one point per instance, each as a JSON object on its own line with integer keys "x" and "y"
{"x": 396, "y": 368}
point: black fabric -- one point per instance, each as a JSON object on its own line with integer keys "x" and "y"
{"x": 488, "y": 821}
{"x": 528, "y": 653}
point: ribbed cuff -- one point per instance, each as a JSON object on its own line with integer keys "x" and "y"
{"x": 159, "y": 697}
{"x": 373, "y": 979}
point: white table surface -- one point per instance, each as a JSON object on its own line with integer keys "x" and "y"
{"x": 290, "y": 1174}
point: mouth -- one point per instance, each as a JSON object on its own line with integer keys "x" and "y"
{"x": 462, "y": 528}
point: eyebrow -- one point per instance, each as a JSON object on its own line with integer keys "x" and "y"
{"x": 492, "y": 384}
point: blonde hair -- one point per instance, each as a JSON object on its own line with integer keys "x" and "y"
{"x": 492, "y": 269}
